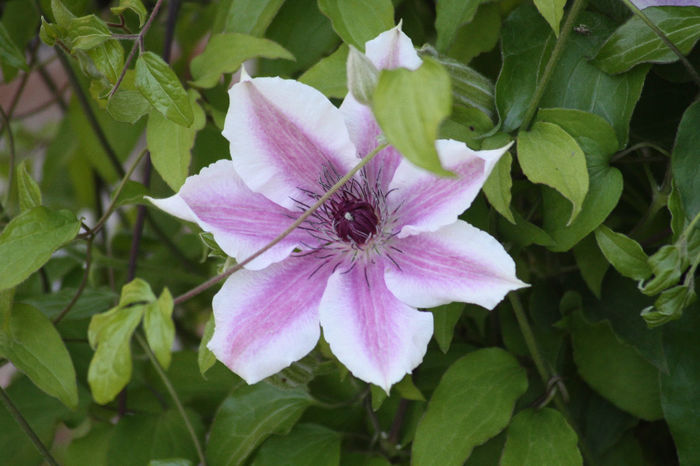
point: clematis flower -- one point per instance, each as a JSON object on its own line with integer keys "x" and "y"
{"x": 385, "y": 244}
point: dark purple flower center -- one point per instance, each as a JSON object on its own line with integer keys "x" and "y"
{"x": 354, "y": 219}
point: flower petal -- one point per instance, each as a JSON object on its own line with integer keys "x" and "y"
{"x": 372, "y": 333}
{"x": 265, "y": 320}
{"x": 240, "y": 220}
{"x": 427, "y": 202}
{"x": 284, "y": 137}
{"x": 390, "y": 49}
{"x": 364, "y": 133}
{"x": 456, "y": 263}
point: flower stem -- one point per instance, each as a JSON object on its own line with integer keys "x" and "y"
{"x": 664, "y": 38}
{"x": 26, "y": 428}
{"x": 173, "y": 394}
{"x": 552, "y": 62}
{"x": 213, "y": 281}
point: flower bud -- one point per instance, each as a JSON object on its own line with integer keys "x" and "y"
{"x": 362, "y": 76}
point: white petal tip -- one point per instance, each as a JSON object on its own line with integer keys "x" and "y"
{"x": 244, "y": 74}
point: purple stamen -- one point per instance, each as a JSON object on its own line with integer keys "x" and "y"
{"x": 354, "y": 219}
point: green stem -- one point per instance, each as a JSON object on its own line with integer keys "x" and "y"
{"x": 664, "y": 38}
{"x": 213, "y": 281}
{"x": 552, "y": 62}
{"x": 636, "y": 147}
{"x": 173, "y": 394}
{"x": 26, "y": 428}
{"x": 531, "y": 343}
{"x": 112, "y": 205}
{"x": 83, "y": 283}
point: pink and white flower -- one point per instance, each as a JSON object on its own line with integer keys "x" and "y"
{"x": 386, "y": 243}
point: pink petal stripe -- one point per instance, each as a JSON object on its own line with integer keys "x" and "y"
{"x": 267, "y": 319}
{"x": 240, "y": 220}
{"x": 365, "y": 132}
{"x": 372, "y": 333}
{"x": 456, "y": 263}
{"x": 426, "y": 202}
{"x": 284, "y": 137}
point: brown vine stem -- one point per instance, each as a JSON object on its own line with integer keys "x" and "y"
{"x": 26, "y": 428}
{"x": 138, "y": 41}
{"x": 214, "y": 280}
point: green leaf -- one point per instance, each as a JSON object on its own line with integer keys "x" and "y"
{"x": 9, "y": 53}
{"x": 634, "y": 42}
{"x": 484, "y": 385}
{"x": 31, "y": 342}
{"x": 329, "y": 74}
{"x": 171, "y": 462}
{"x": 108, "y": 59}
{"x": 469, "y": 88}
{"x": 552, "y": 11}
{"x": 87, "y": 32}
{"x": 576, "y": 83}
{"x": 128, "y": 104}
{"x": 61, "y": 14}
{"x": 614, "y": 369}
{"x": 28, "y": 241}
{"x": 526, "y": 42}
{"x": 669, "y": 305}
{"x": 624, "y": 253}
{"x": 134, "y": 5}
{"x": 171, "y": 144}
{"x": 540, "y": 437}
{"x": 684, "y": 160}
{"x": 27, "y": 188}
{"x": 49, "y": 32}
{"x": 159, "y": 327}
{"x": 408, "y": 390}
{"x": 498, "y": 185}
{"x": 305, "y": 32}
{"x": 305, "y": 445}
{"x": 362, "y": 76}
{"x": 409, "y": 106}
{"x": 666, "y": 268}
{"x": 450, "y": 15}
{"x": 248, "y": 416}
{"x": 591, "y": 263}
{"x": 594, "y": 136}
{"x": 679, "y": 386}
{"x": 378, "y": 396}
{"x": 246, "y": 16}
{"x": 110, "y": 367}
{"x": 549, "y": 155}
{"x": 159, "y": 85}
{"x": 142, "y": 437}
{"x": 20, "y": 20}
{"x": 592, "y": 132}
{"x": 445, "y": 318}
{"x": 205, "y": 358}
{"x": 110, "y": 332}
{"x": 358, "y": 21}
{"x": 226, "y": 52}
{"x": 91, "y": 448}
{"x": 481, "y": 35}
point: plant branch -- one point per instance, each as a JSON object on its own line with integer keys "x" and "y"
{"x": 138, "y": 41}
{"x": 664, "y": 38}
{"x": 552, "y": 62}
{"x": 11, "y": 145}
{"x": 173, "y": 394}
{"x": 26, "y": 428}
{"x": 636, "y": 147}
{"x": 83, "y": 283}
{"x": 213, "y": 281}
